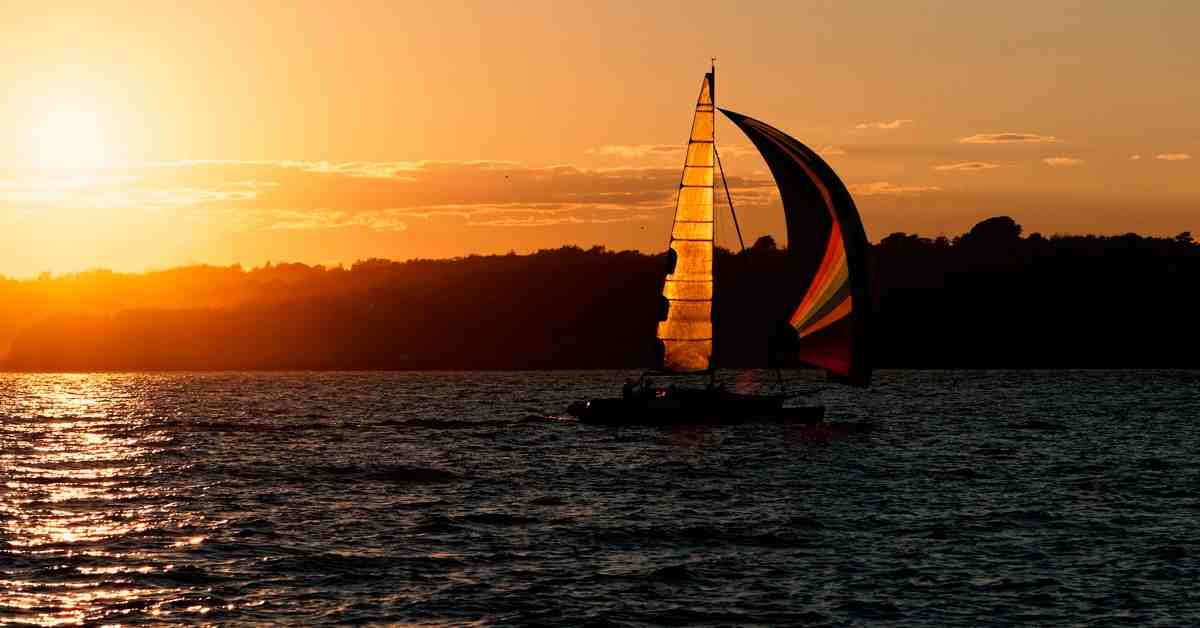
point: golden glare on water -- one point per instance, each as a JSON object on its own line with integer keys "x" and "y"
{"x": 73, "y": 500}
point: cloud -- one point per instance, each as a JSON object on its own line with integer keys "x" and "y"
{"x": 293, "y": 220}
{"x": 1134, "y": 157}
{"x": 831, "y": 151}
{"x": 364, "y": 169}
{"x": 1173, "y": 157}
{"x": 1062, "y": 162}
{"x": 750, "y": 197}
{"x": 887, "y": 125}
{"x": 552, "y": 220}
{"x": 119, "y": 191}
{"x": 966, "y": 166}
{"x": 532, "y": 215}
{"x": 731, "y": 150}
{"x": 638, "y": 151}
{"x": 399, "y": 219}
{"x": 63, "y": 182}
{"x": 884, "y": 188}
{"x": 380, "y": 196}
{"x": 363, "y": 187}
{"x": 735, "y": 150}
{"x": 1009, "y": 138}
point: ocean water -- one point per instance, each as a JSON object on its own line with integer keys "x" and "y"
{"x": 978, "y": 498}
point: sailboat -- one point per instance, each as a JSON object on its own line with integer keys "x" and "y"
{"x": 826, "y": 323}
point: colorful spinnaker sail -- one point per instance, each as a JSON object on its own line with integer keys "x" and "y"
{"x": 827, "y": 250}
{"x": 686, "y": 330}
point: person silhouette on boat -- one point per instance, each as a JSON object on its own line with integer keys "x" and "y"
{"x": 648, "y": 390}
{"x": 627, "y": 389}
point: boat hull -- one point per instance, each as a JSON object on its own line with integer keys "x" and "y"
{"x": 694, "y": 409}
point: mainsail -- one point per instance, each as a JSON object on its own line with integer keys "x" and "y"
{"x": 827, "y": 250}
{"x": 686, "y": 329}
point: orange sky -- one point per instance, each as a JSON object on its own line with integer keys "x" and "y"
{"x": 146, "y": 135}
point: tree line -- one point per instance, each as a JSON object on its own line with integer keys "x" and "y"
{"x": 990, "y": 298}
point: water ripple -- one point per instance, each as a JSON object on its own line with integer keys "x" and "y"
{"x": 958, "y": 498}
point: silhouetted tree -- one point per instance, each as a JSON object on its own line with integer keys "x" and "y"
{"x": 764, "y": 243}
{"x": 998, "y": 230}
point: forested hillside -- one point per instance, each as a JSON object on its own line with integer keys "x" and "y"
{"x": 989, "y": 298}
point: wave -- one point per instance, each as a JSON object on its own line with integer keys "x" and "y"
{"x": 389, "y": 473}
{"x": 180, "y": 575}
{"x": 497, "y": 518}
{"x": 394, "y": 473}
{"x": 1034, "y": 424}
{"x": 239, "y": 427}
{"x": 460, "y": 424}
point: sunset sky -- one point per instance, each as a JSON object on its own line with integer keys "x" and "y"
{"x": 136, "y": 136}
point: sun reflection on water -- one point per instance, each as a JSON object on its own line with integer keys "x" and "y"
{"x": 76, "y": 511}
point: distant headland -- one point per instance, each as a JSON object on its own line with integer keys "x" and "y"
{"x": 990, "y": 298}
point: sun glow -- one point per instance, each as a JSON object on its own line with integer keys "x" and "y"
{"x": 70, "y": 138}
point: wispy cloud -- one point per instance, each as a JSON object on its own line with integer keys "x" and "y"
{"x": 64, "y": 182}
{"x": 534, "y": 214}
{"x": 1009, "y": 138}
{"x": 1062, "y": 162}
{"x": 1135, "y": 158}
{"x": 553, "y": 220}
{"x": 885, "y": 188}
{"x": 293, "y": 220}
{"x": 754, "y": 196}
{"x": 359, "y": 169}
{"x": 366, "y": 169}
{"x": 966, "y": 166}
{"x": 886, "y": 124}
{"x": 831, "y": 151}
{"x": 383, "y": 196}
{"x": 637, "y": 151}
{"x": 122, "y": 191}
{"x": 735, "y": 149}
{"x": 1173, "y": 157}
{"x": 307, "y": 185}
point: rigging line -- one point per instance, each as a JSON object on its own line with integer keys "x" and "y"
{"x": 728, "y": 197}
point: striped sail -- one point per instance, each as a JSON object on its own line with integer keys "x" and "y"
{"x": 686, "y": 330}
{"x": 827, "y": 250}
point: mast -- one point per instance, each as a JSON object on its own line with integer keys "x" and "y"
{"x": 712, "y": 91}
